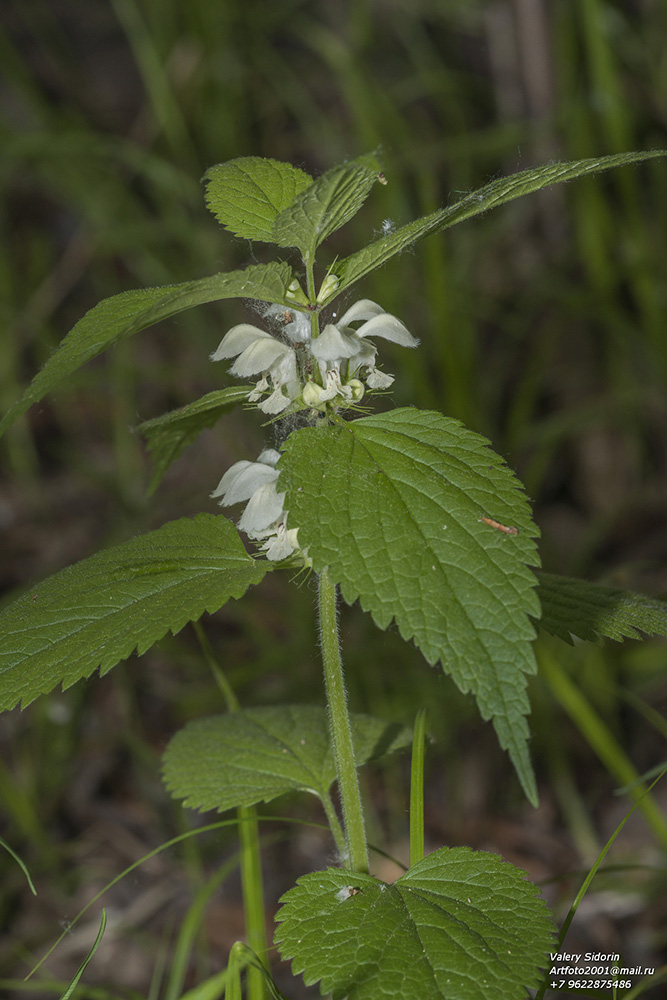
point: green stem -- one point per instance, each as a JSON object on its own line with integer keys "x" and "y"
{"x": 252, "y": 885}
{"x": 334, "y": 825}
{"x": 417, "y": 789}
{"x": 310, "y": 292}
{"x": 309, "y": 265}
{"x": 252, "y": 882}
{"x": 220, "y": 679}
{"x": 340, "y": 729}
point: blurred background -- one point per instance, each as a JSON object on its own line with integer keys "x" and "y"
{"x": 542, "y": 326}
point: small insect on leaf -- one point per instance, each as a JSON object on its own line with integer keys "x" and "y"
{"x": 500, "y": 527}
{"x": 382, "y": 179}
{"x": 347, "y": 891}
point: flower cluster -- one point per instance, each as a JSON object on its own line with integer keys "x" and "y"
{"x": 299, "y": 371}
{"x": 263, "y": 518}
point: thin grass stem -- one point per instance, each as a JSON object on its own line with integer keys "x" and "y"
{"x": 417, "y": 788}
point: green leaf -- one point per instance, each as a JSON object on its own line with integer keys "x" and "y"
{"x": 257, "y": 754}
{"x": 125, "y": 314}
{"x": 326, "y": 205}
{"x": 167, "y": 436}
{"x": 393, "y": 505}
{"x": 492, "y": 195}
{"x": 592, "y": 611}
{"x": 97, "y": 612}
{"x": 248, "y": 194}
{"x": 462, "y": 924}
{"x": 82, "y": 968}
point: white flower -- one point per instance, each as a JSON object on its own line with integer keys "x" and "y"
{"x": 264, "y": 518}
{"x": 343, "y": 347}
{"x": 342, "y": 352}
{"x": 282, "y": 544}
{"x": 378, "y": 380}
{"x": 243, "y": 478}
{"x": 258, "y": 353}
{"x": 314, "y": 395}
{"x": 333, "y": 345}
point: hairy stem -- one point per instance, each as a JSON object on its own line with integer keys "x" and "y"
{"x": 340, "y": 729}
{"x": 310, "y": 292}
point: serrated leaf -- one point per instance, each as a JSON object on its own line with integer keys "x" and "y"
{"x": 595, "y": 612}
{"x": 394, "y": 505}
{"x": 128, "y": 313}
{"x": 257, "y": 754}
{"x": 167, "y": 436}
{"x": 97, "y": 612}
{"x": 490, "y": 196}
{"x": 331, "y": 201}
{"x": 461, "y": 923}
{"x": 248, "y": 194}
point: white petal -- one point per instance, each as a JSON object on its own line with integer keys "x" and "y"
{"x": 230, "y": 475}
{"x": 298, "y": 330}
{"x": 390, "y": 328}
{"x": 261, "y": 387}
{"x": 282, "y": 544}
{"x": 283, "y": 371}
{"x": 259, "y": 357}
{"x": 242, "y": 480}
{"x": 332, "y": 344}
{"x": 333, "y": 385}
{"x": 379, "y": 380}
{"x": 363, "y": 309}
{"x": 276, "y": 402}
{"x": 269, "y": 457}
{"x": 237, "y": 339}
{"x": 364, "y": 359}
{"x": 265, "y": 507}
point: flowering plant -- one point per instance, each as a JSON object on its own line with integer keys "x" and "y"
{"x": 300, "y": 372}
{"x": 407, "y": 512}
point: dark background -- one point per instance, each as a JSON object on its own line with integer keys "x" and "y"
{"x": 542, "y": 326}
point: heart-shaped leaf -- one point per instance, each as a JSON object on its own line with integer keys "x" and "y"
{"x": 97, "y": 612}
{"x": 326, "y": 205}
{"x": 256, "y": 754}
{"x": 248, "y": 194}
{"x": 417, "y": 518}
{"x": 462, "y": 924}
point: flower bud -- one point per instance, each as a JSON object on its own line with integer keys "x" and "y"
{"x": 295, "y": 293}
{"x": 357, "y": 388}
{"x": 328, "y": 287}
{"x": 312, "y": 394}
